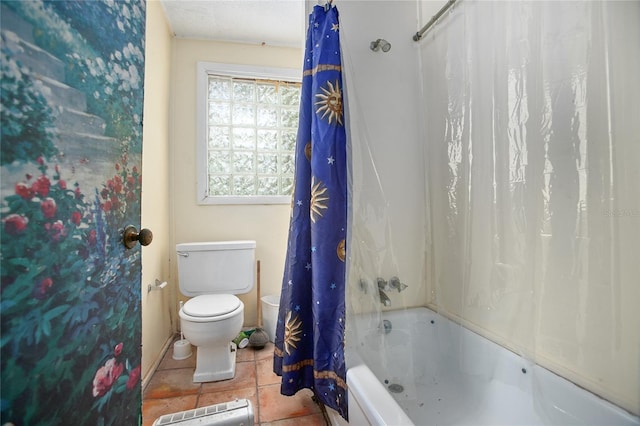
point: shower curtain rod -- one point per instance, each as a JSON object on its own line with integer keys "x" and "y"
{"x": 417, "y": 36}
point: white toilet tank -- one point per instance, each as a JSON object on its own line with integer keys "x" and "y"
{"x": 221, "y": 267}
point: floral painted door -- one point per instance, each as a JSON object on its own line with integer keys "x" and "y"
{"x": 71, "y": 128}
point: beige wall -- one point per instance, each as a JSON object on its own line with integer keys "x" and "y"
{"x": 266, "y": 224}
{"x": 156, "y": 322}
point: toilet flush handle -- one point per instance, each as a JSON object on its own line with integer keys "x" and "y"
{"x": 131, "y": 236}
{"x": 183, "y": 254}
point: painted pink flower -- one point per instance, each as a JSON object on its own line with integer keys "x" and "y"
{"x": 15, "y": 224}
{"x": 62, "y": 184}
{"x": 40, "y": 160}
{"x": 41, "y": 186}
{"x": 48, "y": 207}
{"x": 78, "y": 193}
{"x": 23, "y": 190}
{"x": 106, "y": 376}
{"x": 117, "y": 350}
{"x": 56, "y": 229}
{"x": 76, "y": 218}
{"x": 134, "y": 376}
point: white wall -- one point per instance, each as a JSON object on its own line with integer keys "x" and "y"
{"x": 388, "y": 215}
{"x": 156, "y": 318}
{"x": 267, "y": 224}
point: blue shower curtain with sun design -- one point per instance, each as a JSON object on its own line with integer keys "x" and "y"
{"x": 309, "y": 344}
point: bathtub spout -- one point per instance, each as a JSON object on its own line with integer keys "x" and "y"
{"x": 384, "y": 299}
{"x": 394, "y": 282}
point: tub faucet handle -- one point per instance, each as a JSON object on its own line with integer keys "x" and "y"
{"x": 394, "y": 282}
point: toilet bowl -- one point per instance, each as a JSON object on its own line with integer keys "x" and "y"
{"x": 211, "y": 322}
{"x": 212, "y": 274}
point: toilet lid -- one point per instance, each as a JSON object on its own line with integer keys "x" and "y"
{"x": 211, "y": 305}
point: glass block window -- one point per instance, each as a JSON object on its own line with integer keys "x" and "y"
{"x": 251, "y": 131}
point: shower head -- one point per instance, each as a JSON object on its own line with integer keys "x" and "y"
{"x": 380, "y": 44}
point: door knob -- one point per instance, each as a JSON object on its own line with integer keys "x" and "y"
{"x": 131, "y": 236}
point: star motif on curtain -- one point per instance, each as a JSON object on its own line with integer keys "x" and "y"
{"x": 335, "y": 27}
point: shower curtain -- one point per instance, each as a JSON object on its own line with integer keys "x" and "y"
{"x": 532, "y": 165}
{"x": 309, "y": 344}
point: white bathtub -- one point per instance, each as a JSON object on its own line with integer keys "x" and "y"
{"x": 452, "y": 376}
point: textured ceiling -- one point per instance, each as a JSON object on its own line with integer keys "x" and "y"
{"x": 274, "y": 22}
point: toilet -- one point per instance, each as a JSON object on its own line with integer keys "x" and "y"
{"x": 211, "y": 274}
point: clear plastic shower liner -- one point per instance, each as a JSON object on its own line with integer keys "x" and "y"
{"x": 530, "y": 229}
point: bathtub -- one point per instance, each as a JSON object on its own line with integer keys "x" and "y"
{"x": 431, "y": 371}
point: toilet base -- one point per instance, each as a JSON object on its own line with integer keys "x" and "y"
{"x": 215, "y": 364}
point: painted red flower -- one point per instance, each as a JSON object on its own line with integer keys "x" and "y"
{"x": 117, "y": 350}
{"x": 48, "y": 207}
{"x": 56, "y": 229}
{"x": 15, "y": 224}
{"x": 117, "y": 184}
{"x": 78, "y": 193}
{"x": 41, "y": 186}
{"x": 40, "y": 160}
{"x": 106, "y": 206}
{"x": 92, "y": 238}
{"x": 76, "y": 218}
{"x": 106, "y": 376}
{"x": 23, "y": 190}
{"x": 134, "y": 376}
{"x": 42, "y": 288}
{"x": 62, "y": 184}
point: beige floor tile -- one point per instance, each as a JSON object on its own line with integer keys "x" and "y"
{"x": 266, "y": 352}
{"x": 245, "y": 377}
{"x": 266, "y": 376}
{"x": 274, "y": 406}
{"x": 154, "y": 408}
{"x": 171, "y": 383}
{"x": 245, "y": 355}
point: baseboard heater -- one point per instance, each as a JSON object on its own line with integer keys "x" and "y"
{"x": 234, "y": 413}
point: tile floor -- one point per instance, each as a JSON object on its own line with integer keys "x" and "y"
{"x": 171, "y": 389}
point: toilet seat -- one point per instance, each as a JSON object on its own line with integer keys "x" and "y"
{"x": 211, "y": 307}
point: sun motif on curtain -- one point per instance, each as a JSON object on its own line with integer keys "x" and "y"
{"x": 319, "y": 199}
{"x": 292, "y": 331}
{"x": 330, "y": 102}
